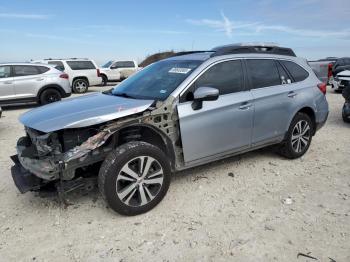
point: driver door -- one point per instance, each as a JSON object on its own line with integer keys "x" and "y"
{"x": 220, "y": 127}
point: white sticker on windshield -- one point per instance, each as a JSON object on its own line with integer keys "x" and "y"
{"x": 179, "y": 70}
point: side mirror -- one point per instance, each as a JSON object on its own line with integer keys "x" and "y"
{"x": 204, "y": 94}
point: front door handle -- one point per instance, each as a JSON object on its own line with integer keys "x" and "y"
{"x": 292, "y": 94}
{"x": 8, "y": 82}
{"x": 245, "y": 106}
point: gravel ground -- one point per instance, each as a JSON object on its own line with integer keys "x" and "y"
{"x": 254, "y": 207}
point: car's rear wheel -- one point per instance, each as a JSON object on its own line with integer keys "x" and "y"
{"x": 298, "y": 138}
{"x": 134, "y": 178}
{"x": 80, "y": 86}
{"x": 50, "y": 95}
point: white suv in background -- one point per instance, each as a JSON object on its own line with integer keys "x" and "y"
{"x": 117, "y": 70}
{"x": 22, "y": 83}
{"x": 82, "y": 72}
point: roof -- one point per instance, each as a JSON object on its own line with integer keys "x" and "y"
{"x": 24, "y": 63}
{"x": 237, "y": 50}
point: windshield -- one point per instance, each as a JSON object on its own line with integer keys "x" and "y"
{"x": 156, "y": 81}
{"x": 107, "y": 65}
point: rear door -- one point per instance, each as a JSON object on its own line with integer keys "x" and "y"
{"x": 273, "y": 99}
{"x": 7, "y": 91}
{"x": 220, "y": 126}
{"x": 27, "y": 80}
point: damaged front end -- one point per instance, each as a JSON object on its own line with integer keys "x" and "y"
{"x": 49, "y": 158}
{"x": 71, "y": 157}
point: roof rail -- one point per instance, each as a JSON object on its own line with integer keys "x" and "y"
{"x": 260, "y": 48}
{"x": 71, "y": 58}
{"x": 190, "y": 52}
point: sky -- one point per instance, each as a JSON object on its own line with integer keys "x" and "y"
{"x": 105, "y": 30}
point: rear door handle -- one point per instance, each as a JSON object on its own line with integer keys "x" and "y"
{"x": 39, "y": 79}
{"x": 8, "y": 82}
{"x": 245, "y": 106}
{"x": 292, "y": 94}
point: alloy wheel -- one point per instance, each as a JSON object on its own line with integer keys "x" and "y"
{"x": 81, "y": 86}
{"x": 139, "y": 181}
{"x": 301, "y": 136}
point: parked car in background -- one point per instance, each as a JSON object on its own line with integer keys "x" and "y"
{"x": 346, "y": 106}
{"x": 175, "y": 114}
{"x": 82, "y": 72}
{"x": 27, "y": 82}
{"x": 117, "y": 70}
{"x": 323, "y": 68}
{"x": 341, "y": 81}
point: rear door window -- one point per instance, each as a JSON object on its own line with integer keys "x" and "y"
{"x": 81, "y": 65}
{"x": 297, "y": 72}
{"x": 25, "y": 70}
{"x": 284, "y": 76}
{"x": 5, "y": 71}
{"x": 263, "y": 73}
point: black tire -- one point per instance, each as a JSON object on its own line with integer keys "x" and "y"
{"x": 104, "y": 80}
{"x": 346, "y": 119}
{"x": 80, "y": 86}
{"x": 111, "y": 172}
{"x": 291, "y": 149}
{"x": 50, "y": 95}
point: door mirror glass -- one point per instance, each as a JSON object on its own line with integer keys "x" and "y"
{"x": 204, "y": 94}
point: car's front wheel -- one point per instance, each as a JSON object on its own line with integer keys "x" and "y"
{"x": 298, "y": 137}
{"x": 80, "y": 86}
{"x": 134, "y": 178}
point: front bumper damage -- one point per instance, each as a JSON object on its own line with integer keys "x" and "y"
{"x": 23, "y": 179}
{"x": 39, "y": 161}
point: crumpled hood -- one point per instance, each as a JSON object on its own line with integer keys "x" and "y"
{"x": 82, "y": 111}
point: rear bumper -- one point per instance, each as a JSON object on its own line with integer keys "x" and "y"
{"x": 321, "y": 123}
{"x": 66, "y": 95}
{"x": 23, "y": 179}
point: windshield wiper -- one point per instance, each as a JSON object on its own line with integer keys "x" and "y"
{"x": 124, "y": 95}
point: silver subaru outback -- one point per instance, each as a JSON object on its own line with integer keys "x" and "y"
{"x": 177, "y": 113}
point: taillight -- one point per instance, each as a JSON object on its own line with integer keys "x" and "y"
{"x": 322, "y": 87}
{"x": 98, "y": 73}
{"x": 330, "y": 68}
{"x": 64, "y": 76}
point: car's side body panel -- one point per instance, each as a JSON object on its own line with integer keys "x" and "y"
{"x": 220, "y": 126}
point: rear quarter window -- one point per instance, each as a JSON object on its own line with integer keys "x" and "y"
{"x": 42, "y": 69}
{"x": 57, "y": 64}
{"x": 296, "y": 71}
{"x": 81, "y": 65}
